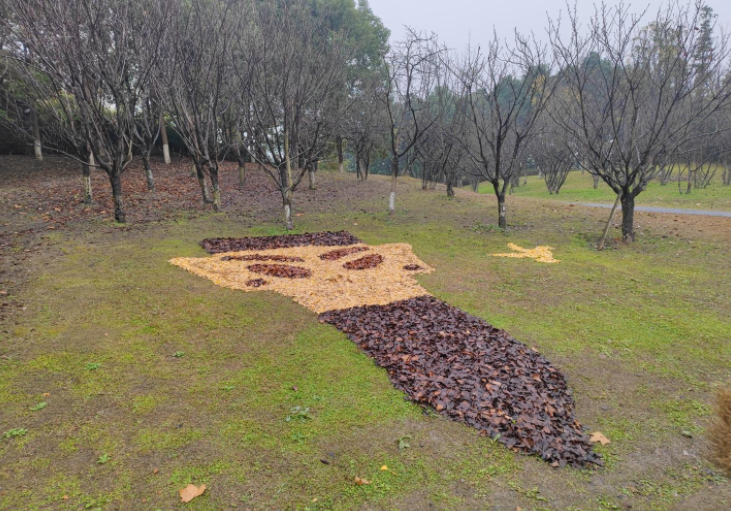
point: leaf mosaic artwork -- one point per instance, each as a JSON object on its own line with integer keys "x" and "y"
{"x": 438, "y": 355}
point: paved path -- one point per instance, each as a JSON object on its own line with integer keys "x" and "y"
{"x": 648, "y": 209}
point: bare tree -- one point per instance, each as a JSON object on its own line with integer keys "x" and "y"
{"x": 80, "y": 68}
{"x": 290, "y": 73}
{"x": 631, "y": 93}
{"x": 506, "y": 89}
{"x": 409, "y": 70}
{"x": 553, "y": 153}
{"x": 440, "y": 152}
{"x": 193, "y": 85}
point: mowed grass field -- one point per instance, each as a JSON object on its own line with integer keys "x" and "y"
{"x": 153, "y": 378}
{"x": 580, "y": 188}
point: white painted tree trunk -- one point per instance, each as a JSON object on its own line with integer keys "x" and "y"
{"x": 166, "y": 153}
{"x": 88, "y": 195}
{"x": 288, "y": 217}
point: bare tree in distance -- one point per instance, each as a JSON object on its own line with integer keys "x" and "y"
{"x": 290, "y": 73}
{"x": 630, "y": 94}
{"x": 409, "y": 71}
{"x": 193, "y": 85}
{"x": 553, "y": 153}
{"x": 80, "y": 70}
{"x": 506, "y": 89}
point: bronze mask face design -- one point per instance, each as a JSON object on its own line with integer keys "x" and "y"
{"x": 437, "y": 354}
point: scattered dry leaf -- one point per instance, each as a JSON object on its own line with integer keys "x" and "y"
{"x": 384, "y": 467}
{"x": 539, "y": 254}
{"x": 360, "y": 481}
{"x": 191, "y": 491}
{"x": 600, "y": 438}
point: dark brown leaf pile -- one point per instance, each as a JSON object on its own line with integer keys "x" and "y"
{"x": 259, "y": 257}
{"x": 364, "y": 263}
{"x": 334, "y": 255}
{"x": 319, "y": 239}
{"x": 471, "y": 372}
{"x": 412, "y": 267}
{"x": 256, "y": 283}
{"x": 283, "y": 271}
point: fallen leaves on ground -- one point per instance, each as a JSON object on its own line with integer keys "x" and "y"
{"x": 330, "y": 287}
{"x": 473, "y": 373}
{"x": 282, "y": 271}
{"x": 598, "y": 437}
{"x": 542, "y": 254}
{"x": 364, "y": 263}
{"x": 360, "y": 481}
{"x": 316, "y": 239}
{"x": 259, "y": 257}
{"x": 191, "y": 491}
{"x": 334, "y": 255}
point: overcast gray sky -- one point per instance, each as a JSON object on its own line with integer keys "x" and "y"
{"x": 458, "y": 21}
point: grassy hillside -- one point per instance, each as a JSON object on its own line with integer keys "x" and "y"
{"x": 153, "y": 378}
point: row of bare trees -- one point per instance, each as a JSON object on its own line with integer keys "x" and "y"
{"x": 624, "y": 99}
{"x": 267, "y": 82}
{"x": 288, "y": 83}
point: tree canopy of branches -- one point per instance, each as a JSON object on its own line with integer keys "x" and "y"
{"x": 410, "y": 72}
{"x": 83, "y": 70}
{"x": 631, "y": 95}
{"x": 506, "y": 89}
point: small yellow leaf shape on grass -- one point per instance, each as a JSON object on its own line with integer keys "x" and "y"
{"x": 541, "y": 254}
{"x": 598, "y": 437}
{"x": 360, "y": 481}
{"x": 384, "y": 467}
{"x": 191, "y": 491}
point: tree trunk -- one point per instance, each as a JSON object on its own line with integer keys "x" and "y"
{"x": 216, "y": 189}
{"x": 86, "y": 172}
{"x": 628, "y": 216}
{"x": 690, "y": 181}
{"x": 242, "y": 174}
{"x": 358, "y": 167}
{"x": 596, "y": 182}
{"x": 116, "y": 179}
{"x": 392, "y": 195}
{"x": 341, "y": 159}
{"x": 36, "y": 136}
{"x": 311, "y": 175}
{"x": 198, "y": 171}
{"x": 287, "y": 196}
{"x": 148, "y": 172}
{"x": 502, "y": 216}
{"x": 164, "y": 136}
{"x": 450, "y": 189}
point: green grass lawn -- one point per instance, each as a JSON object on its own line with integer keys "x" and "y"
{"x": 580, "y": 188}
{"x": 153, "y": 378}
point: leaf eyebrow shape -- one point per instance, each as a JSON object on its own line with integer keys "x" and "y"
{"x": 260, "y": 257}
{"x": 364, "y": 263}
{"x": 334, "y": 255}
{"x": 281, "y": 271}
